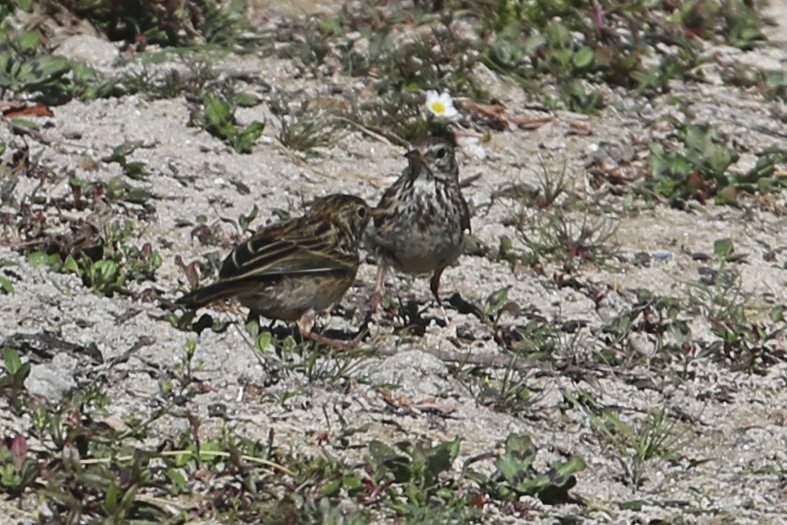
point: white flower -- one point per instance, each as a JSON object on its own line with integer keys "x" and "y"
{"x": 441, "y": 105}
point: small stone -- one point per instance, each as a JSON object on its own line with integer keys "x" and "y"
{"x": 662, "y": 255}
{"x": 52, "y": 380}
{"x": 89, "y": 49}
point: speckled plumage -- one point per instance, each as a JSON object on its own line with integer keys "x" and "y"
{"x": 289, "y": 270}
{"x": 421, "y": 220}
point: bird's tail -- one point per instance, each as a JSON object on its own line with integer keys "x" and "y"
{"x": 212, "y": 293}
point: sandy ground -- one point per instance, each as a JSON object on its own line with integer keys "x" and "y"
{"x": 729, "y": 426}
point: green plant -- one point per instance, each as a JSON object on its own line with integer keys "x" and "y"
{"x": 763, "y": 178}
{"x": 132, "y": 169}
{"x": 742, "y": 343}
{"x": 516, "y": 475}
{"x": 114, "y": 191}
{"x": 15, "y": 373}
{"x": 558, "y": 237}
{"x": 653, "y": 438}
{"x": 395, "y": 115}
{"x": 106, "y": 263}
{"x": 737, "y": 20}
{"x": 436, "y": 58}
{"x": 505, "y": 391}
{"x": 199, "y": 77}
{"x": 545, "y": 224}
{"x": 7, "y": 7}
{"x": 304, "y": 129}
{"x": 86, "y": 83}
{"x": 413, "y": 478}
{"x": 156, "y": 22}
{"x": 663, "y": 320}
{"x": 26, "y": 67}
{"x": 742, "y": 24}
{"x": 6, "y": 285}
{"x": 18, "y": 471}
{"x": 724, "y": 250}
{"x": 699, "y": 172}
{"x": 218, "y": 118}
{"x": 774, "y": 85}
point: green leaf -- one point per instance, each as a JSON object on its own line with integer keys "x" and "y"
{"x": 129, "y": 496}
{"x": 246, "y": 100}
{"x": 723, "y": 248}
{"x": 111, "y": 498}
{"x": 560, "y": 480}
{"x": 496, "y": 300}
{"x": 263, "y": 341}
{"x": 40, "y": 258}
{"x": 181, "y": 460}
{"x": 351, "y": 482}
{"x": 777, "y": 315}
{"x": 219, "y": 116}
{"x": 71, "y": 265}
{"x": 535, "y": 42}
{"x": 13, "y": 363}
{"x": 207, "y": 452}
{"x": 176, "y": 477}
{"x": 21, "y": 374}
{"x": 136, "y": 170}
{"x": 776, "y": 80}
{"x": 562, "y": 56}
{"x": 583, "y": 58}
{"x": 391, "y": 461}
{"x": 440, "y": 458}
{"x": 520, "y": 446}
{"x": 245, "y": 220}
{"x": 24, "y": 125}
{"x": 514, "y": 465}
{"x": 120, "y": 151}
{"x": 559, "y": 473}
{"x": 558, "y": 35}
{"x": 27, "y": 41}
{"x": 41, "y": 70}
{"x": 248, "y": 137}
{"x": 104, "y": 277}
{"x": 253, "y": 329}
{"x": 6, "y": 285}
{"x": 331, "y": 488}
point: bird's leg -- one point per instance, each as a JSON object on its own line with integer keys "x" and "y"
{"x": 379, "y": 285}
{"x": 305, "y": 325}
{"x": 254, "y": 316}
{"x": 434, "y": 285}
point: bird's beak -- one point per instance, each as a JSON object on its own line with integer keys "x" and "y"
{"x": 376, "y": 212}
{"x": 415, "y": 156}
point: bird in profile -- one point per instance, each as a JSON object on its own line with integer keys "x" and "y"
{"x": 292, "y": 270}
{"x": 421, "y": 220}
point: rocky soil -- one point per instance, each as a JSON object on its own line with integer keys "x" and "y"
{"x": 726, "y": 426}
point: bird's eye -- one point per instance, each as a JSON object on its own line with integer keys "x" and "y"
{"x": 362, "y": 212}
{"x": 441, "y": 153}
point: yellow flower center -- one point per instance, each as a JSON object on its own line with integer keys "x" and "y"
{"x": 438, "y": 107}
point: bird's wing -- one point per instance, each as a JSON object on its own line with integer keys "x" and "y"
{"x": 273, "y": 252}
{"x": 215, "y": 292}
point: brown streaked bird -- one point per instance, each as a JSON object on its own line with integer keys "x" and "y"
{"x": 293, "y": 269}
{"x": 421, "y": 220}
